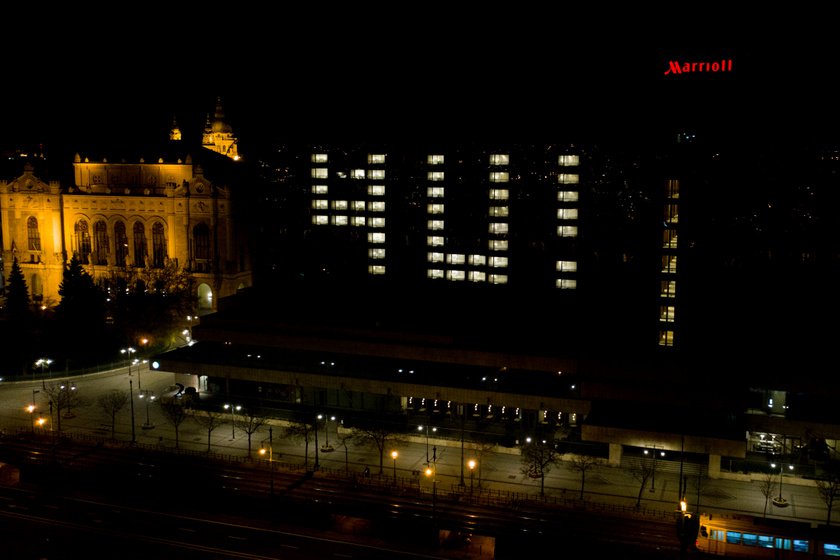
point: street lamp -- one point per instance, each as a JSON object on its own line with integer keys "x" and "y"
{"x": 326, "y": 448}
{"x": 780, "y": 502}
{"x": 233, "y": 418}
{"x": 472, "y": 466}
{"x": 420, "y": 428}
{"x": 394, "y": 455}
{"x": 30, "y": 409}
{"x": 432, "y": 471}
{"x": 128, "y": 352}
{"x": 149, "y": 396}
{"x": 270, "y": 456}
{"x": 43, "y": 362}
{"x": 653, "y": 474}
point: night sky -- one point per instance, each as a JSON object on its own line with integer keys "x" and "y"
{"x": 418, "y": 83}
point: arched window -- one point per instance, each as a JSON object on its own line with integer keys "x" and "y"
{"x": 100, "y": 236}
{"x": 121, "y": 241}
{"x": 34, "y": 234}
{"x": 82, "y": 241}
{"x": 139, "y": 244}
{"x": 201, "y": 233}
{"x": 158, "y": 245}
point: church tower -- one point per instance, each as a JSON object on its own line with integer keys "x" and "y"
{"x": 218, "y": 135}
{"x": 174, "y": 132}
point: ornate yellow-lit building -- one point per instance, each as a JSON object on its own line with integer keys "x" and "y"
{"x": 128, "y": 214}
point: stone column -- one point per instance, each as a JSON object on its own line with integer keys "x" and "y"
{"x": 615, "y": 455}
{"x": 714, "y": 466}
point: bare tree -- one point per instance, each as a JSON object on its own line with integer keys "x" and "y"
{"x": 381, "y": 437}
{"x": 829, "y": 490}
{"x": 482, "y": 449}
{"x": 302, "y": 427}
{"x": 251, "y": 422}
{"x": 537, "y": 460}
{"x": 209, "y": 420}
{"x": 642, "y": 470}
{"x": 346, "y": 438}
{"x": 768, "y": 485}
{"x": 62, "y": 396}
{"x": 112, "y": 403}
{"x": 582, "y": 464}
{"x": 175, "y": 413}
{"x": 699, "y": 484}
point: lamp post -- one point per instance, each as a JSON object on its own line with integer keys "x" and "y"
{"x": 233, "y": 419}
{"x": 149, "y": 396}
{"x": 128, "y": 352}
{"x": 43, "y": 362}
{"x": 131, "y": 399}
{"x": 653, "y": 474}
{"x": 270, "y": 457}
{"x": 432, "y": 471}
{"x": 31, "y": 409}
{"x": 420, "y": 428}
{"x": 472, "y": 466}
{"x": 326, "y": 448}
{"x": 394, "y": 455}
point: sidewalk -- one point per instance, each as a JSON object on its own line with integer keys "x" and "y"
{"x": 497, "y": 473}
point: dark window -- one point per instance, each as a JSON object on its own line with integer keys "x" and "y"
{"x": 158, "y": 245}
{"x": 202, "y": 241}
{"x": 121, "y": 241}
{"x": 100, "y": 231}
{"x": 82, "y": 241}
{"x": 34, "y": 235}
{"x": 139, "y": 244}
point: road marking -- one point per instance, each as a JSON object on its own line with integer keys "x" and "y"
{"x": 289, "y": 546}
{"x": 237, "y": 538}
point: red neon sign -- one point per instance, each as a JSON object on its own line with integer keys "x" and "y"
{"x": 677, "y": 68}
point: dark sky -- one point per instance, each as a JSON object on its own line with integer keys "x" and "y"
{"x": 416, "y": 83}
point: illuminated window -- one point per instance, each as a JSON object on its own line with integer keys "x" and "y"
{"x": 666, "y": 313}
{"x": 34, "y": 235}
{"x": 434, "y": 273}
{"x": 567, "y": 196}
{"x": 672, "y": 189}
{"x": 376, "y": 206}
{"x": 357, "y": 220}
{"x": 456, "y": 275}
{"x": 567, "y": 214}
{"x": 339, "y": 204}
{"x": 455, "y": 258}
{"x": 567, "y": 231}
{"x": 377, "y": 222}
{"x": 376, "y": 190}
{"x": 376, "y": 158}
{"x": 358, "y": 205}
{"x": 671, "y": 214}
{"x": 376, "y": 174}
{"x": 319, "y": 189}
{"x": 498, "y": 279}
{"x": 567, "y": 266}
{"x": 566, "y": 284}
{"x": 567, "y": 178}
{"x": 434, "y": 224}
{"x": 476, "y": 276}
{"x": 569, "y": 161}
{"x": 498, "y": 211}
{"x": 320, "y": 220}
{"x": 319, "y": 173}
{"x": 434, "y": 257}
{"x": 669, "y": 288}
{"x": 477, "y": 260}
{"x": 435, "y": 159}
{"x": 669, "y": 238}
{"x": 158, "y": 245}
{"x": 320, "y": 204}
{"x": 499, "y": 194}
{"x": 498, "y": 176}
{"x": 669, "y": 263}
{"x": 434, "y": 241}
{"x": 499, "y": 159}
{"x": 376, "y": 253}
{"x": 357, "y": 173}
{"x": 498, "y": 244}
{"x": 376, "y": 269}
{"x": 140, "y": 244}
{"x": 376, "y": 237}
{"x": 498, "y": 262}
{"x": 435, "y": 175}
{"x": 319, "y": 158}
{"x": 82, "y": 241}
{"x": 666, "y": 338}
{"x": 498, "y": 227}
{"x": 434, "y": 192}
{"x": 434, "y": 208}
{"x": 339, "y": 220}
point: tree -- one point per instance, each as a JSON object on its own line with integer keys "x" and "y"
{"x": 582, "y": 464}
{"x": 175, "y": 413}
{"x": 18, "y": 320}
{"x": 767, "y": 484}
{"x": 829, "y": 490}
{"x": 480, "y": 450}
{"x": 345, "y": 439}
{"x": 80, "y": 315}
{"x": 302, "y": 427}
{"x": 379, "y": 436}
{"x": 17, "y": 295}
{"x": 112, "y": 403}
{"x": 642, "y": 470}
{"x": 62, "y": 396}
{"x": 209, "y": 420}
{"x": 251, "y": 422}
{"x": 537, "y": 460}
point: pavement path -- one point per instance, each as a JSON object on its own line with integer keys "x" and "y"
{"x": 498, "y": 472}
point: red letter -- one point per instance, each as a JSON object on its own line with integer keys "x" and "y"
{"x": 730, "y": 64}
{"x": 715, "y": 66}
{"x": 675, "y": 68}
{"x": 693, "y": 64}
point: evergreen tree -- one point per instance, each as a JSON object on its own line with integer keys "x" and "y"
{"x": 17, "y": 295}
{"x": 17, "y": 327}
{"x": 80, "y": 316}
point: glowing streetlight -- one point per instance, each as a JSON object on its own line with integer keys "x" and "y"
{"x": 233, "y": 417}
{"x": 149, "y": 396}
{"x": 394, "y": 455}
{"x": 471, "y": 464}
